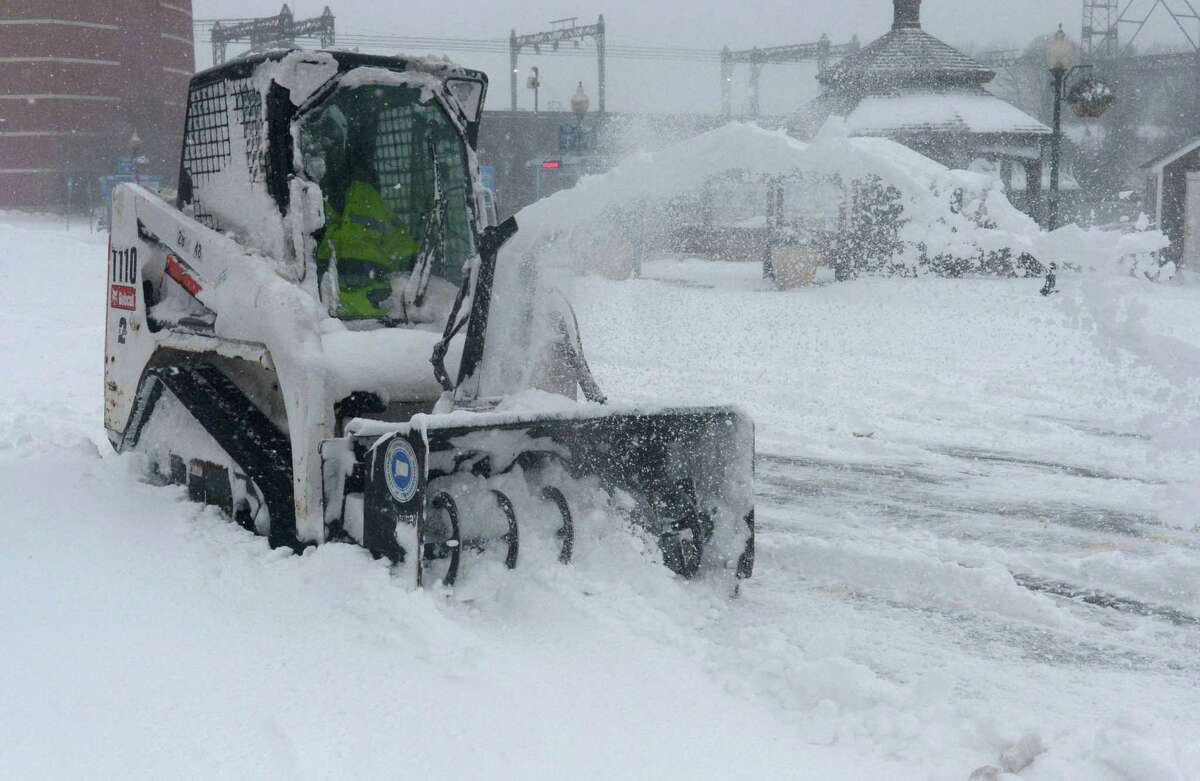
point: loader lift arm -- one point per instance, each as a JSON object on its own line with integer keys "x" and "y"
{"x": 478, "y": 287}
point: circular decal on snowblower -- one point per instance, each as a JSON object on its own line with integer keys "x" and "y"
{"x": 401, "y": 465}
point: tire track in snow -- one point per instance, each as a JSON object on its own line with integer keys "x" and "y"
{"x": 886, "y": 510}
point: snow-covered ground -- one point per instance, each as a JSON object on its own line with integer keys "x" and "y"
{"x": 978, "y": 523}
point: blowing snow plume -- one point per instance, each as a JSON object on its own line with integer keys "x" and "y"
{"x": 898, "y": 212}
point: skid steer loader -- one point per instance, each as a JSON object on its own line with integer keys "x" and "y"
{"x": 311, "y": 338}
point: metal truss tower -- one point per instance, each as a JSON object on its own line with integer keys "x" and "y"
{"x": 271, "y": 32}
{"x": 1111, "y": 26}
{"x": 1099, "y": 38}
{"x": 562, "y": 30}
{"x": 821, "y": 51}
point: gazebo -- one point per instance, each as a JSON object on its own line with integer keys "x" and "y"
{"x": 913, "y": 88}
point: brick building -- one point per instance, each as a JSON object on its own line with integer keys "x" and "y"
{"x": 77, "y": 81}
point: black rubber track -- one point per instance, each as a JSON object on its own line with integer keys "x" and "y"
{"x": 248, "y": 436}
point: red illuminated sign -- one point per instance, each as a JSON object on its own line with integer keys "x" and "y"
{"x": 552, "y": 164}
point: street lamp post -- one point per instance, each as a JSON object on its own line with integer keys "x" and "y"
{"x": 1059, "y": 56}
{"x": 135, "y": 149}
{"x": 534, "y": 82}
{"x": 1089, "y": 99}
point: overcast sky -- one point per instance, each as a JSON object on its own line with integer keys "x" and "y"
{"x": 678, "y": 86}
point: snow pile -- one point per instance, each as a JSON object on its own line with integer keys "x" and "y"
{"x": 1098, "y": 249}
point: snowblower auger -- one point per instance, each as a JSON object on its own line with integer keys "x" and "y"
{"x": 442, "y": 486}
{"x": 300, "y": 340}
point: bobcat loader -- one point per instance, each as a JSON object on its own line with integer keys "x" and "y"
{"x": 440, "y": 428}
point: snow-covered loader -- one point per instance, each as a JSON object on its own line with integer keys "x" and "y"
{"x": 257, "y": 352}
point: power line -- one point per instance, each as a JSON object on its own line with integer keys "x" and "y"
{"x": 497, "y": 46}
{"x": 398, "y": 44}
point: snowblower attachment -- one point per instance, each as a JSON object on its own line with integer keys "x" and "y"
{"x": 330, "y": 258}
{"x": 449, "y": 486}
{"x": 445, "y": 489}
{"x": 480, "y": 479}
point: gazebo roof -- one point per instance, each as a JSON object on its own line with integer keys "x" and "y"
{"x": 905, "y": 57}
{"x": 910, "y": 84}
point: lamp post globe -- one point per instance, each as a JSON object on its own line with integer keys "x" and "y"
{"x": 1060, "y": 52}
{"x": 580, "y": 102}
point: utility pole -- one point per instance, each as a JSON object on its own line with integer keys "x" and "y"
{"x": 755, "y": 72}
{"x": 513, "y": 50}
{"x": 600, "y": 55}
{"x": 726, "y": 81}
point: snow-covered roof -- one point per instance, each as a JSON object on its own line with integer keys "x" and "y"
{"x": 940, "y": 112}
{"x": 905, "y": 56}
{"x": 1162, "y": 161}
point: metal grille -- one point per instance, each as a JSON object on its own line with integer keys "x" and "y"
{"x": 395, "y": 153}
{"x": 248, "y": 103}
{"x": 459, "y": 244}
{"x": 401, "y": 160}
{"x": 206, "y": 137}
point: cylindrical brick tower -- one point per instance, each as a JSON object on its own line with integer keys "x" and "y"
{"x": 77, "y": 81}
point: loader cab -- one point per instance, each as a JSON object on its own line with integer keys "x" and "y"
{"x": 388, "y": 143}
{"x": 394, "y": 174}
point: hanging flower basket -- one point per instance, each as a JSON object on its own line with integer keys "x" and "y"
{"x": 1090, "y": 98}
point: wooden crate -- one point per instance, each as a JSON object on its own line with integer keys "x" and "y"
{"x": 795, "y": 265}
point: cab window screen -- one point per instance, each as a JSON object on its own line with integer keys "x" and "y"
{"x": 380, "y": 143}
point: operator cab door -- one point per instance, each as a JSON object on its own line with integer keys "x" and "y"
{"x": 398, "y": 195}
